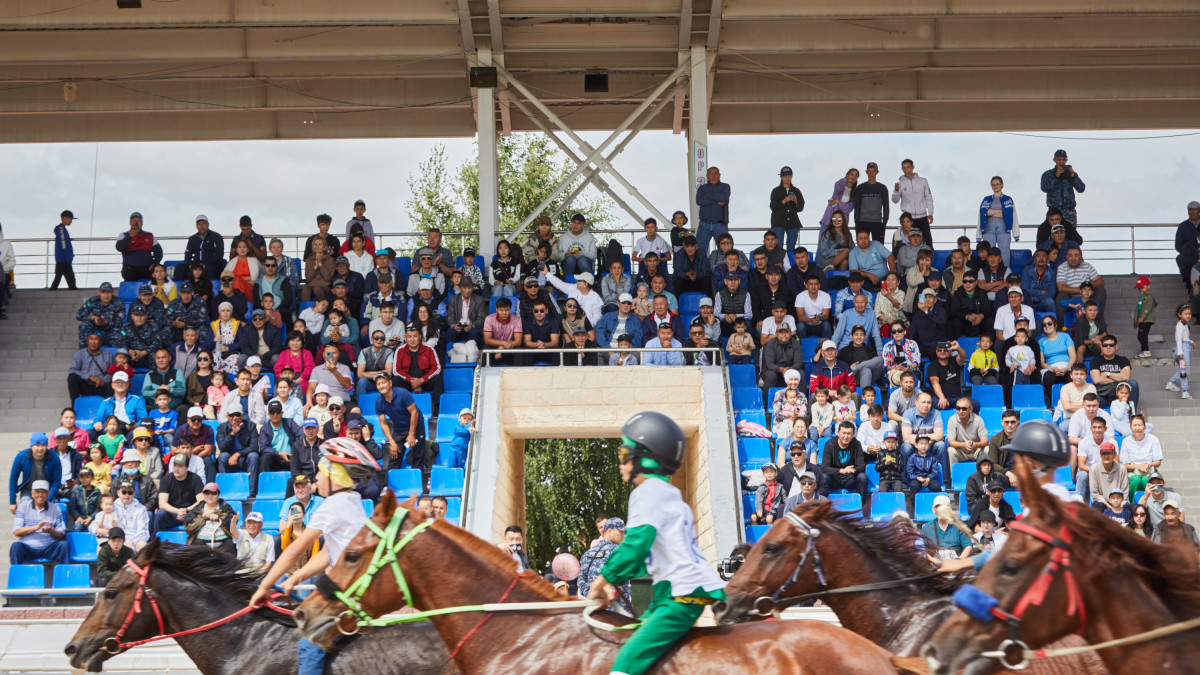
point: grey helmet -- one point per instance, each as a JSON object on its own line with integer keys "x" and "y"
{"x": 654, "y": 436}
{"x": 1041, "y": 440}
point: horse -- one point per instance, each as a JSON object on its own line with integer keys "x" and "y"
{"x": 897, "y": 599}
{"x": 442, "y": 567}
{"x": 1078, "y": 572}
{"x": 191, "y": 586}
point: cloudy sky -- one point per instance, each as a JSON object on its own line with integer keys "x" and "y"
{"x": 1132, "y": 177}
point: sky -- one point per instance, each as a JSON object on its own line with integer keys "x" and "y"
{"x": 1131, "y": 177}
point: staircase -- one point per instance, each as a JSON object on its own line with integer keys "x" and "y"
{"x": 1175, "y": 419}
{"x": 36, "y": 345}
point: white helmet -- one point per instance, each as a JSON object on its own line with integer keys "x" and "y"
{"x": 351, "y": 454}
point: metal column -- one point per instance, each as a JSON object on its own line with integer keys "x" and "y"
{"x": 489, "y": 180}
{"x": 697, "y": 129}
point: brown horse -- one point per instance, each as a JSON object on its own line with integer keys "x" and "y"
{"x": 445, "y": 566}
{"x": 899, "y": 608}
{"x": 1080, "y": 573}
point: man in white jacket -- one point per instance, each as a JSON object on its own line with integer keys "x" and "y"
{"x": 577, "y": 247}
{"x": 912, "y": 194}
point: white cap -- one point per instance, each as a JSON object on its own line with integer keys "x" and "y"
{"x": 234, "y": 407}
{"x": 120, "y": 376}
{"x": 321, "y": 389}
{"x": 941, "y": 500}
{"x": 586, "y": 276}
{"x": 201, "y": 217}
{"x": 624, "y": 297}
{"x": 131, "y": 455}
{"x": 791, "y": 374}
{"x": 255, "y": 516}
{"x": 706, "y": 302}
{"x": 195, "y": 411}
{"x": 253, "y": 361}
{"x": 828, "y": 344}
{"x": 336, "y": 400}
{"x": 465, "y": 411}
{"x": 425, "y": 285}
{"x": 45, "y": 485}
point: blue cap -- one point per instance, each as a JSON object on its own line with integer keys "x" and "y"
{"x": 145, "y": 289}
{"x": 613, "y": 524}
{"x": 310, "y": 422}
{"x": 889, "y": 434}
{"x": 106, "y": 286}
{"x": 38, "y": 438}
{"x": 135, "y": 214}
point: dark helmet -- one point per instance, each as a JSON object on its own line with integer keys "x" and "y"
{"x": 1041, "y": 440}
{"x": 654, "y": 436}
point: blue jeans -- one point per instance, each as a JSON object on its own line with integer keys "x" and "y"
{"x": 577, "y": 264}
{"x": 706, "y": 232}
{"x": 19, "y": 553}
{"x": 782, "y": 233}
{"x": 366, "y": 385}
{"x": 472, "y": 334}
{"x": 938, "y": 450}
{"x": 1000, "y": 237}
{"x": 247, "y": 463}
{"x": 311, "y": 658}
{"x": 1180, "y": 377}
{"x": 164, "y": 520}
{"x": 210, "y": 468}
{"x": 823, "y": 330}
{"x": 1045, "y": 304}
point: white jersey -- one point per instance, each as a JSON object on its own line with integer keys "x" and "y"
{"x": 675, "y": 556}
{"x": 339, "y": 518}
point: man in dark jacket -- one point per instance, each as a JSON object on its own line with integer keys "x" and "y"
{"x": 465, "y": 313}
{"x": 276, "y": 438}
{"x": 692, "y": 273}
{"x": 33, "y": 463}
{"x": 188, "y": 311}
{"x": 698, "y": 341}
{"x": 139, "y": 250}
{"x": 306, "y": 449}
{"x": 766, "y": 295}
{"x": 356, "y": 285}
{"x": 531, "y": 293}
{"x": 262, "y": 334}
{"x": 237, "y": 441}
{"x": 779, "y": 356}
{"x": 786, "y": 204}
{"x": 980, "y": 482}
{"x": 871, "y": 205}
{"x": 229, "y": 294}
{"x": 799, "y": 273}
{"x": 845, "y": 466}
{"x": 1060, "y": 183}
{"x": 206, "y": 246}
{"x": 928, "y": 323}
{"x": 970, "y": 311}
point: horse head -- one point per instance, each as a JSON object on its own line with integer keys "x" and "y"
{"x": 122, "y": 613}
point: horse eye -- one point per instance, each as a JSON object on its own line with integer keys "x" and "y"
{"x": 1010, "y": 568}
{"x": 110, "y": 593}
{"x": 352, "y": 557}
{"x": 771, "y": 549}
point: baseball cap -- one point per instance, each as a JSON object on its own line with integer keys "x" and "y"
{"x": 625, "y": 297}
{"x": 1191, "y": 205}
{"x": 1060, "y": 153}
{"x": 181, "y": 460}
{"x": 105, "y": 286}
{"x": 186, "y": 287}
{"x": 359, "y": 202}
{"x": 613, "y": 524}
{"x": 994, "y": 487}
{"x": 624, "y": 337}
{"x": 706, "y": 302}
{"x": 1145, "y": 281}
{"x": 941, "y": 500}
{"x": 1116, "y": 491}
{"x": 145, "y": 289}
{"x": 254, "y": 516}
{"x": 131, "y": 455}
{"x": 785, "y": 171}
{"x": 890, "y": 434}
{"x": 274, "y": 406}
{"x": 529, "y": 281}
{"x": 916, "y": 232}
{"x": 425, "y": 285}
{"x": 139, "y": 310}
{"x": 341, "y": 260}
{"x": 1156, "y": 476}
{"x": 1108, "y": 447}
{"x": 226, "y": 275}
{"x": 771, "y": 466}
{"x": 465, "y": 411}
{"x": 424, "y": 251}
{"x": 994, "y": 251}
{"x": 385, "y": 278}
{"x": 828, "y": 344}
{"x": 929, "y": 291}
{"x": 809, "y": 475}
{"x": 234, "y": 408}
{"x": 83, "y": 470}
{"x": 201, "y": 217}
{"x": 195, "y": 411}
{"x": 1018, "y": 291}
{"x": 338, "y": 282}
{"x": 302, "y": 478}
{"x": 62, "y": 431}
{"x": 68, "y": 214}
{"x": 1059, "y": 228}
{"x": 336, "y": 400}
{"x": 40, "y": 485}
{"x": 872, "y": 165}
{"x": 468, "y": 251}
{"x": 120, "y": 376}
{"x": 586, "y": 277}
{"x": 212, "y": 487}
{"x": 1170, "y": 502}
{"x": 383, "y": 252}
{"x": 116, "y": 533}
{"x": 310, "y": 423}
{"x": 1012, "y": 278}
{"x": 254, "y": 360}
{"x": 135, "y": 214}
{"x": 354, "y": 423}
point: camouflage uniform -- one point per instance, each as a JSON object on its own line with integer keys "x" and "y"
{"x": 147, "y": 337}
{"x": 194, "y": 315}
{"x": 156, "y": 312}
{"x": 114, "y": 312}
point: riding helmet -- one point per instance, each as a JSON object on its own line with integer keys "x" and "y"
{"x": 1041, "y": 440}
{"x": 351, "y": 454}
{"x": 654, "y": 436}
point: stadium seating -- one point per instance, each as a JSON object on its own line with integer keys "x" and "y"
{"x": 747, "y": 399}
{"x": 459, "y": 380}
{"x": 366, "y": 403}
{"x": 963, "y": 512}
{"x": 446, "y": 482}
{"x": 1018, "y": 259}
{"x": 988, "y": 395}
{"x": 234, "y": 485}
{"x": 1064, "y": 477}
{"x": 847, "y": 502}
{"x": 86, "y": 408}
{"x": 1014, "y": 500}
{"x": 886, "y": 504}
{"x": 747, "y": 506}
{"x": 1028, "y": 396}
{"x": 451, "y": 404}
{"x": 923, "y": 505}
{"x": 26, "y": 577}
{"x": 71, "y": 576}
{"x": 808, "y": 348}
{"x": 424, "y": 404}
{"x": 756, "y": 417}
{"x": 992, "y": 419}
{"x": 273, "y": 484}
{"x": 755, "y": 532}
{"x": 269, "y": 508}
{"x": 872, "y": 477}
{"x": 689, "y": 303}
{"x": 128, "y": 290}
{"x": 173, "y": 537}
{"x": 959, "y": 473}
{"x": 753, "y": 452}
{"x": 368, "y": 507}
{"x": 405, "y": 482}
{"x": 82, "y": 547}
{"x": 492, "y": 302}
{"x": 453, "y": 508}
{"x": 742, "y": 376}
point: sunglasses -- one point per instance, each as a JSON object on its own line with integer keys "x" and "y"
{"x": 126, "y": 492}
{"x": 204, "y": 360}
{"x": 797, "y": 454}
{"x": 1109, "y": 344}
{"x": 141, "y": 440}
{"x": 807, "y": 482}
{"x": 539, "y": 311}
{"x": 197, "y": 417}
{"x": 207, "y": 492}
{"x": 1010, "y": 422}
{"x": 335, "y": 407}
{"x": 235, "y": 414}
{"x": 377, "y": 338}
{"x": 963, "y": 409}
{"x": 270, "y": 266}
{"x": 1047, "y": 323}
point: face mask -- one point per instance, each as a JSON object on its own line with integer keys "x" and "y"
{"x": 128, "y": 471}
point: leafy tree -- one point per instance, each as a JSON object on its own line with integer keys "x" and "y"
{"x": 568, "y": 484}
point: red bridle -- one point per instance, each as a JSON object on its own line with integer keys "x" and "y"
{"x": 1060, "y": 563}
{"x": 113, "y": 645}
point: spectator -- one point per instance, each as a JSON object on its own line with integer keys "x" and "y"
{"x": 1156, "y": 497}
{"x": 1106, "y": 475}
{"x": 1172, "y": 528}
{"x": 250, "y": 401}
{"x": 1142, "y": 455}
{"x": 622, "y": 321}
{"x": 164, "y": 377}
{"x": 919, "y": 420}
{"x": 829, "y": 373}
{"x": 786, "y": 204}
{"x": 79, "y": 435}
{"x": 998, "y": 220}
{"x": 1184, "y": 346}
{"x": 946, "y": 374}
{"x": 132, "y": 515}
{"x": 651, "y": 242}
{"x": 334, "y": 375}
{"x": 692, "y": 272}
{"x": 713, "y": 199}
{"x": 970, "y": 309}
{"x": 244, "y": 266}
{"x": 501, "y": 330}
{"x": 443, "y": 259}
{"x": 906, "y": 254}
{"x": 531, "y": 292}
{"x": 1039, "y": 282}
{"x": 505, "y": 269}
{"x": 928, "y": 327}
{"x": 276, "y": 437}
{"x": 1008, "y": 316}
{"x": 188, "y": 311}
{"x": 780, "y": 356}
{"x": 813, "y": 311}
{"x": 31, "y": 465}
{"x": 778, "y": 317}
{"x": 112, "y": 557}
{"x": 844, "y": 465}
{"x": 582, "y": 293}
{"x": 860, "y": 315}
{"x": 102, "y": 313}
{"x": 870, "y": 259}
{"x": 1060, "y": 184}
{"x": 318, "y": 272}
{"x": 871, "y": 208}
{"x": 1089, "y": 331}
{"x": 922, "y": 471}
{"x": 992, "y": 276}
{"x": 139, "y": 250}
{"x": 577, "y": 248}
{"x": 701, "y": 353}
{"x": 373, "y": 303}
{"x": 664, "y": 338}
{"x": 980, "y": 483}
{"x": 615, "y": 284}
{"x": 773, "y": 254}
{"x": 238, "y": 442}
{"x": 872, "y": 432}
{"x": 465, "y": 315}
{"x": 912, "y": 193}
{"x": 802, "y": 451}
{"x": 39, "y": 527}
{"x": 426, "y": 270}
{"x": 651, "y": 269}
{"x": 255, "y": 549}
{"x": 1073, "y": 273}
{"x": 543, "y": 331}
{"x": 992, "y": 509}
{"x": 965, "y": 434}
{"x": 900, "y": 356}
{"x": 64, "y": 252}
{"x": 1185, "y": 235}
{"x": 767, "y": 294}
{"x": 612, "y": 533}
{"x": 947, "y": 541}
{"x": 179, "y": 491}
{"x": 576, "y": 357}
{"x": 622, "y": 356}
{"x": 359, "y": 258}
{"x": 889, "y": 463}
{"x": 382, "y": 265}
{"x": 301, "y": 506}
{"x": 984, "y": 367}
{"x": 661, "y": 314}
{"x": 1109, "y": 370}
{"x": 1057, "y": 243}
{"x": 803, "y": 268}
{"x": 141, "y": 337}
{"x": 842, "y": 199}
{"x": 88, "y": 373}
{"x": 729, "y": 267}
{"x": 212, "y": 522}
{"x": 274, "y": 282}
{"x": 916, "y": 280}
{"x": 388, "y": 325}
{"x": 256, "y": 245}
{"x": 373, "y": 360}
{"x": 768, "y": 498}
{"x": 398, "y": 413}
{"x": 952, "y": 276}
{"x": 1057, "y": 356}
{"x": 202, "y": 439}
{"x": 1088, "y": 454}
{"x": 228, "y": 294}
{"x": 541, "y": 234}
{"x": 127, "y": 408}
{"x": 833, "y": 245}
{"x": 1072, "y": 399}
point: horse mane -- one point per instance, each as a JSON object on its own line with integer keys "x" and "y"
{"x": 891, "y": 545}
{"x": 215, "y": 570}
{"x": 472, "y": 544}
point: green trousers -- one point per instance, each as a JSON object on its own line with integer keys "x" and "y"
{"x": 665, "y": 621}
{"x": 1136, "y": 483}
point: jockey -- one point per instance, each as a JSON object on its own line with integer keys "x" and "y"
{"x": 660, "y": 537}
{"x": 1046, "y": 448}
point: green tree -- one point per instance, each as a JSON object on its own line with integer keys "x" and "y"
{"x": 568, "y": 484}
{"x": 529, "y": 170}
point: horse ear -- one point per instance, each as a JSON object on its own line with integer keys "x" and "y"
{"x": 1038, "y": 501}
{"x": 149, "y": 552}
{"x": 386, "y": 506}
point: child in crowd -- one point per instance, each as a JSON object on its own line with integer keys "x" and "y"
{"x": 101, "y": 469}
{"x": 1122, "y": 409}
{"x": 111, "y": 558}
{"x": 217, "y": 390}
{"x": 867, "y": 394}
{"x": 106, "y": 519}
{"x": 462, "y": 436}
{"x": 792, "y": 380}
{"x": 504, "y": 271}
{"x": 768, "y": 498}
{"x": 314, "y": 317}
{"x": 643, "y": 304}
{"x": 890, "y": 464}
{"x": 472, "y": 271}
{"x": 822, "y": 415}
{"x": 741, "y": 343}
{"x": 1144, "y": 315}
{"x": 1019, "y": 357}
{"x": 623, "y": 357}
{"x": 320, "y": 408}
{"x": 1117, "y": 509}
{"x": 978, "y": 260}
{"x": 650, "y": 243}
{"x": 120, "y": 364}
{"x": 337, "y": 332}
{"x": 923, "y": 471}
{"x": 843, "y": 408}
{"x": 274, "y": 316}
{"x": 112, "y": 439}
{"x": 985, "y": 369}
{"x": 678, "y": 230}
{"x": 790, "y": 410}
{"x": 1086, "y": 291}
{"x": 456, "y": 278}
{"x": 165, "y": 419}
{"x": 1183, "y": 351}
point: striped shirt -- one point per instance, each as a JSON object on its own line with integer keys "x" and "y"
{"x": 1074, "y": 276}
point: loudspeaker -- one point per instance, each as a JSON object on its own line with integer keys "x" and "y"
{"x": 595, "y": 83}
{"x": 483, "y": 77}
{"x": 129, "y": 4}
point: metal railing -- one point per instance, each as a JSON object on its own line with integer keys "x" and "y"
{"x": 486, "y": 355}
{"x": 1114, "y": 248}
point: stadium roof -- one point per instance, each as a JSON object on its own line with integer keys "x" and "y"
{"x": 254, "y": 69}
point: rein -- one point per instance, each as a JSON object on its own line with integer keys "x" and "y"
{"x": 114, "y": 645}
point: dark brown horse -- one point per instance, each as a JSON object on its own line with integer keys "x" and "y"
{"x": 194, "y": 586}
{"x": 851, "y": 552}
{"x": 1076, "y": 572}
{"x": 448, "y": 567}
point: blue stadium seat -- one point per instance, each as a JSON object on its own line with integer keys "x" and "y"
{"x": 26, "y": 577}
{"x": 1028, "y": 396}
{"x": 1040, "y": 413}
{"x": 689, "y": 303}
{"x": 1069, "y": 319}
{"x": 459, "y": 262}
{"x": 991, "y": 417}
{"x": 923, "y": 506}
{"x": 446, "y": 424}
{"x": 82, "y": 547}
{"x": 1064, "y": 477}
{"x": 451, "y": 404}
{"x": 366, "y": 403}
{"x": 71, "y": 576}
{"x": 988, "y": 396}
{"x": 368, "y": 507}
{"x": 446, "y": 482}
{"x": 747, "y": 506}
{"x": 808, "y": 348}
{"x": 273, "y": 484}
{"x": 847, "y": 502}
{"x": 959, "y": 473}
{"x": 459, "y": 380}
{"x": 886, "y": 504}
{"x": 212, "y": 424}
{"x": 405, "y": 482}
{"x": 86, "y": 408}
{"x": 770, "y": 402}
{"x": 1014, "y": 500}
{"x": 128, "y": 290}
{"x": 135, "y": 384}
{"x": 236, "y": 505}
{"x": 970, "y": 344}
{"x": 755, "y": 532}
{"x": 753, "y": 452}
{"x": 1055, "y": 391}
{"x": 946, "y": 415}
{"x": 940, "y": 258}
{"x": 403, "y": 269}
{"x": 747, "y": 399}
{"x": 756, "y": 417}
{"x": 453, "y": 507}
{"x": 963, "y": 512}
{"x": 174, "y": 537}
{"x": 1137, "y": 496}
{"x": 216, "y": 283}
{"x": 821, "y": 448}
{"x": 424, "y": 404}
{"x": 296, "y": 265}
{"x": 739, "y": 376}
{"x": 269, "y": 508}
{"x": 234, "y": 485}
{"x": 307, "y": 304}
{"x": 872, "y": 477}
{"x": 1018, "y": 259}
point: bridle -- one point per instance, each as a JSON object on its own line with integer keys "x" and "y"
{"x": 985, "y": 607}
